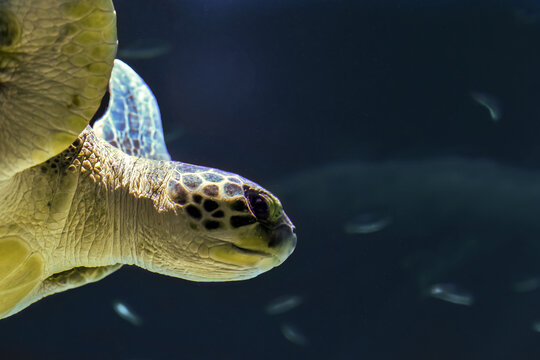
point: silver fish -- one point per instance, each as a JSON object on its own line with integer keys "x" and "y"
{"x": 283, "y": 304}
{"x": 292, "y": 334}
{"x": 367, "y": 223}
{"x": 126, "y": 313}
{"x": 490, "y": 103}
{"x": 451, "y": 293}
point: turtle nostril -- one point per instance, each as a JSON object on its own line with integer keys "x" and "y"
{"x": 275, "y": 241}
{"x": 279, "y": 235}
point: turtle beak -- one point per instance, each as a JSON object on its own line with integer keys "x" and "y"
{"x": 263, "y": 248}
{"x": 281, "y": 241}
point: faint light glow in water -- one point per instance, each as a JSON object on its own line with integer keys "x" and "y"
{"x": 221, "y": 4}
{"x": 536, "y": 326}
{"x": 144, "y": 49}
{"x": 527, "y": 285}
{"x": 292, "y": 3}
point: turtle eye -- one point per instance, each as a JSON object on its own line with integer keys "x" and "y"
{"x": 258, "y": 204}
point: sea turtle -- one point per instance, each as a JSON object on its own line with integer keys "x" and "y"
{"x": 77, "y": 201}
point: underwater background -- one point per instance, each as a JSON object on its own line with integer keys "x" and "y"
{"x": 403, "y": 139}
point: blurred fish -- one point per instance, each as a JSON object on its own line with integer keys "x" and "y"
{"x": 292, "y": 334}
{"x": 144, "y": 49}
{"x": 125, "y": 313}
{"x": 490, "y": 103}
{"x": 527, "y": 285}
{"x": 367, "y": 223}
{"x": 171, "y": 136}
{"x": 536, "y": 326}
{"x": 283, "y": 304}
{"x": 451, "y": 293}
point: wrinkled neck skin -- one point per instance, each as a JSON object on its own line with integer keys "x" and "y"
{"x": 130, "y": 202}
{"x": 93, "y": 205}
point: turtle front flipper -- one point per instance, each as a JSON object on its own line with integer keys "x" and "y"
{"x": 56, "y": 58}
{"x": 73, "y": 278}
{"x": 21, "y": 277}
{"x": 132, "y": 122}
{"x": 20, "y": 273}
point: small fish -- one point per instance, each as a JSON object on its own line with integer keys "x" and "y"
{"x": 527, "y": 285}
{"x": 292, "y": 334}
{"x": 125, "y": 313}
{"x": 283, "y": 304}
{"x": 367, "y": 223}
{"x": 451, "y": 293}
{"x": 490, "y": 103}
{"x": 144, "y": 49}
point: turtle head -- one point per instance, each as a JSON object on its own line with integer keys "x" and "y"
{"x": 225, "y": 227}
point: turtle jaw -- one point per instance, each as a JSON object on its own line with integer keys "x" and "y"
{"x": 258, "y": 250}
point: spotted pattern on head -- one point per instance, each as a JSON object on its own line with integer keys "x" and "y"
{"x": 192, "y": 181}
{"x": 178, "y": 193}
{"x": 211, "y": 198}
{"x": 232, "y": 189}
{"x": 211, "y": 190}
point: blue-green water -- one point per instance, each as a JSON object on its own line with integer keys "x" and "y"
{"x": 351, "y": 111}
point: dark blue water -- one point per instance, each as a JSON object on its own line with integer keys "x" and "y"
{"x": 347, "y": 110}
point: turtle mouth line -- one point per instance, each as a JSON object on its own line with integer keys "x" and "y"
{"x": 244, "y": 258}
{"x": 249, "y": 251}
{"x": 241, "y": 250}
